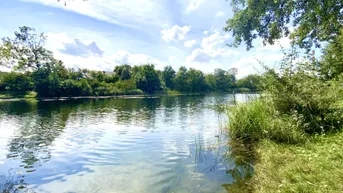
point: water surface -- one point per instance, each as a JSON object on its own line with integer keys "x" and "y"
{"x": 159, "y": 144}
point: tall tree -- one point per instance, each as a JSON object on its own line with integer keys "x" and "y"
{"x": 168, "y": 75}
{"x": 196, "y": 80}
{"x": 146, "y": 78}
{"x": 123, "y": 72}
{"x": 313, "y": 21}
{"x": 331, "y": 65}
{"x": 181, "y": 79}
{"x": 26, "y": 51}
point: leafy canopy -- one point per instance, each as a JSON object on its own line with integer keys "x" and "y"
{"x": 313, "y": 21}
{"x": 25, "y": 51}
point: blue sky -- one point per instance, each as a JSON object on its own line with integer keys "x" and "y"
{"x": 99, "y": 34}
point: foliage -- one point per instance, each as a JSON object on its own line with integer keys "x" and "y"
{"x": 210, "y": 81}
{"x": 25, "y": 51}
{"x": 258, "y": 119}
{"x": 168, "y": 75}
{"x": 303, "y": 95}
{"x": 47, "y": 81}
{"x": 17, "y": 81}
{"x": 313, "y": 21}
{"x": 251, "y": 82}
{"x": 315, "y": 166}
{"x": 123, "y": 72}
{"x": 331, "y": 65}
{"x": 72, "y": 87}
{"x": 196, "y": 80}
{"x": 181, "y": 79}
{"x": 146, "y": 78}
{"x": 224, "y": 79}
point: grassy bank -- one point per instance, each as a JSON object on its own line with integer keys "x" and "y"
{"x": 314, "y": 166}
{"x": 15, "y": 94}
{"x": 288, "y": 157}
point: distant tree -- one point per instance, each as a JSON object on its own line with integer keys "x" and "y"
{"x": 18, "y": 81}
{"x": 47, "y": 82}
{"x": 168, "y": 75}
{"x": 221, "y": 80}
{"x": 210, "y": 81}
{"x": 26, "y": 51}
{"x": 252, "y": 82}
{"x": 196, "y": 80}
{"x": 181, "y": 79}
{"x": 313, "y": 21}
{"x": 123, "y": 72}
{"x": 146, "y": 78}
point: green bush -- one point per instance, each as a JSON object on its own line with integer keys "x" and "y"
{"x": 308, "y": 99}
{"x": 71, "y": 87}
{"x": 259, "y": 119}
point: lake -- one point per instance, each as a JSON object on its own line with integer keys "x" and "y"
{"x": 156, "y": 144}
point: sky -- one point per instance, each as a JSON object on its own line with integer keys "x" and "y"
{"x": 100, "y": 34}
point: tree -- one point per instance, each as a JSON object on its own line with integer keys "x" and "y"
{"x": 314, "y": 21}
{"x": 196, "y": 80}
{"x": 168, "y": 75}
{"x": 181, "y": 80}
{"x": 25, "y": 51}
{"x": 210, "y": 81}
{"x": 18, "y": 81}
{"x": 252, "y": 82}
{"x": 331, "y": 65}
{"x": 146, "y": 78}
{"x": 47, "y": 81}
{"x": 123, "y": 72}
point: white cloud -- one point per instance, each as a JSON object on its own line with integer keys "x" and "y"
{"x": 211, "y": 47}
{"x": 219, "y": 14}
{"x": 199, "y": 55}
{"x": 205, "y": 32}
{"x": 175, "y": 33}
{"x": 190, "y": 43}
{"x": 129, "y": 13}
{"x": 193, "y": 5}
{"x": 56, "y": 42}
{"x": 251, "y": 64}
{"x": 283, "y": 42}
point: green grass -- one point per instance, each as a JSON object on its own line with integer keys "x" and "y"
{"x": 173, "y": 92}
{"x": 258, "y": 119}
{"x": 315, "y": 166}
{"x": 17, "y": 94}
{"x": 286, "y": 159}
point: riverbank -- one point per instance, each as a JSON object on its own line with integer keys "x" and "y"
{"x": 17, "y": 96}
{"x": 315, "y": 166}
{"x": 286, "y": 157}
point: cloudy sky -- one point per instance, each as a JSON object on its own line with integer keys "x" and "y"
{"x": 99, "y": 34}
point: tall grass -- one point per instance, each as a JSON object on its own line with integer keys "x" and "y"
{"x": 258, "y": 119}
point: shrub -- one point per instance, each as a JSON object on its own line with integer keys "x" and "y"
{"x": 259, "y": 119}
{"x": 307, "y": 98}
{"x": 71, "y": 87}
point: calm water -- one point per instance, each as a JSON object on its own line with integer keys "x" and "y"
{"x": 162, "y": 144}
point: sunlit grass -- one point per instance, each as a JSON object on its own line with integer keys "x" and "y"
{"x": 315, "y": 166}
{"x": 287, "y": 159}
{"x": 17, "y": 94}
{"x": 258, "y": 119}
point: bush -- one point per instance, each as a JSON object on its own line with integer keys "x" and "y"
{"x": 259, "y": 119}
{"x": 308, "y": 99}
{"x": 16, "y": 81}
{"x": 71, "y": 87}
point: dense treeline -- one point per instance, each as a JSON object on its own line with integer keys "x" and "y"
{"x": 35, "y": 69}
